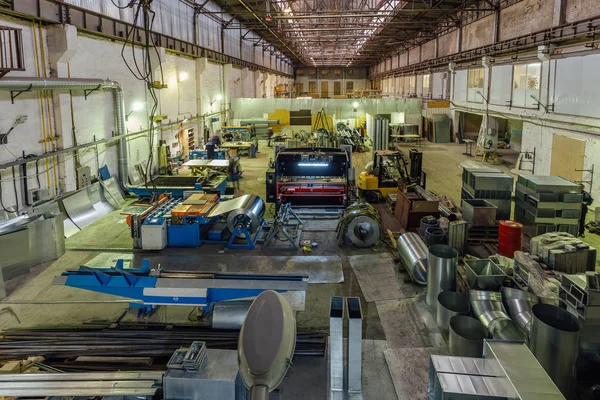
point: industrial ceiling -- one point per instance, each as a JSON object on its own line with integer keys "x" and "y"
{"x": 347, "y": 32}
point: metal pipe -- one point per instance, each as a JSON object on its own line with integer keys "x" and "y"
{"x": 29, "y": 84}
{"x": 376, "y": 14}
{"x": 449, "y": 305}
{"x": 413, "y": 254}
{"x": 466, "y": 337}
{"x": 555, "y": 343}
{"x": 441, "y": 272}
{"x": 519, "y": 304}
{"x": 230, "y": 314}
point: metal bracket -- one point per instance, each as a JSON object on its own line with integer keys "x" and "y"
{"x": 13, "y": 96}
{"x": 591, "y": 180}
{"x": 90, "y": 91}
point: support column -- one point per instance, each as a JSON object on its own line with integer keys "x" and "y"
{"x": 62, "y": 45}
{"x": 245, "y": 76}
{"x": 545, "y": 78}
{"x": 560, "y": 15}
{"x": 257, "y": 76}
{"x": 227, "y": 85}
{"x": 202, "y": 100}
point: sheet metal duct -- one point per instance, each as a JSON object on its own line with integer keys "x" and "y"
{"x": 29, "y": 84}
{"x": 336, "y": 344}
{"x": 354, "y": 357}
{"x": 449, "y": 305}
{"x": 413, "y": 254}
{"x": 488, "y": 308}
{"x": 466, "y": 336}
{"x": 519, "y": 304}
{"x": 555, "y": 344}
{"x": 441, "y": 272}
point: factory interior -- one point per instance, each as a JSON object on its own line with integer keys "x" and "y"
{"x": 299, "y": 199}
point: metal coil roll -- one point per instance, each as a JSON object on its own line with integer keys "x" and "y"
{"x": 249, "y": 211}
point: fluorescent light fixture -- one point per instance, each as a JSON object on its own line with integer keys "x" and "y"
{"x": 313, "y": 164}
{"x": 137, "y": 106}
{"x": 183, "y": 76}
{"x": 287, "y": 10}
{"x": 219, "y": 97}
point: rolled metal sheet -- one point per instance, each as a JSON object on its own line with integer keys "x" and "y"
{"x": 86, "y": 206}
{"x": 230, "y": 314}
{"x": 449, "y": 305}
{"x": 364, "y": 231}
{"x": 249, "y": 205}
{"x": 466, "y": 337}
{"x": 554, "y": 341}
{"x": 413, "y": 254}
{"x": 441, "y": 271}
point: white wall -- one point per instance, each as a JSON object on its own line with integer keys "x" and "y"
{"x": 93, "y": 57}
{"x": 570, "y": 90}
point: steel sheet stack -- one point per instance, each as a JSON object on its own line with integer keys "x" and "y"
{"x": 548, "y": 204}
{"x": 488, "y": 184}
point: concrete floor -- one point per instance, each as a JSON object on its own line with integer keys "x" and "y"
{"x": 399, "y": 329}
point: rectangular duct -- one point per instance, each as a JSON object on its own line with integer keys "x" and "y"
{"x": 336, "y": 344}
{"x": 354, "y": 344}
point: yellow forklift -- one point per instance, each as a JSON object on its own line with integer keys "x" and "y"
{"x": 387, "y": 173}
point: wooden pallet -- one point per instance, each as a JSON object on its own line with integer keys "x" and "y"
{"x": 483, "y": 234}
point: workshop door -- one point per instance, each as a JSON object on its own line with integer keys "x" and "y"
{"x": 567, "y": 157}
{"x": 324, "y": 89}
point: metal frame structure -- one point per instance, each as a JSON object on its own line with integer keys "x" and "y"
{"x": 56, "y": 11}
{"x": 356, "y": 32}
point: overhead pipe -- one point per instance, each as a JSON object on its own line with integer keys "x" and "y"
{"x": 30, "y": 84}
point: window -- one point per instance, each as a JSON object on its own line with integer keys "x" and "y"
{"x": 312, "y": 87}
{"x": 337, "y": 88}
{"x": 526, "y": 85}
{"x": 412, "y": 84}
{"x": 349, "y": 87}
{"x": 324, "y": 89}
{"x": 426, "y": 81}
{"x": 475, "y": 78}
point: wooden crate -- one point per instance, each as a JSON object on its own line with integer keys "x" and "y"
{"x": 410, "y": 208}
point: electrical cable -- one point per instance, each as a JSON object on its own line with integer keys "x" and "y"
{"x": 143, "y": 70}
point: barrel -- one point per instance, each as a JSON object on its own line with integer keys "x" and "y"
{"x": 510, "y": 238}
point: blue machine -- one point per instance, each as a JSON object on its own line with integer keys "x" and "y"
{"x": 202, "y": 155}
{"x": 236, "y": 223}
{"x": 177, "y": 185}
{"x": 153, "y": 287}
